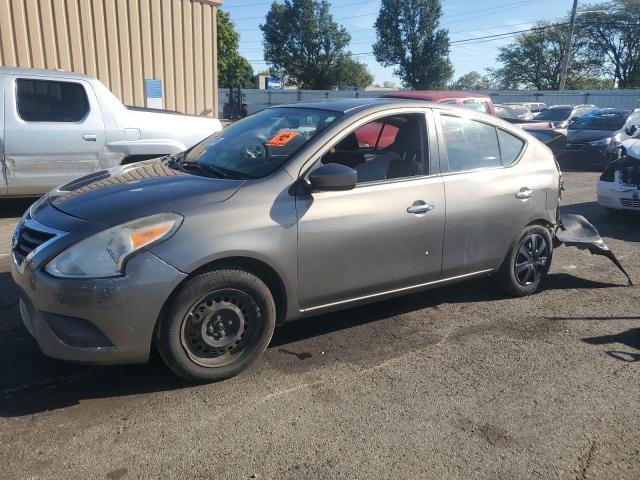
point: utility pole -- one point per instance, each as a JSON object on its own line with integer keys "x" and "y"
{"x": 567, "y": 50}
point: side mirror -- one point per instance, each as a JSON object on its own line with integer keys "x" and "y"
{"x": 333, "y": 177}
{"x": 631, "y": 131}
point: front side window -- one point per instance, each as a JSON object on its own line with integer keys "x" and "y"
{"x": 259, "y": 144}
{"x": 48, "y": 101}
{"x": 470, "y": 144}
{"x": 389, "y": 148}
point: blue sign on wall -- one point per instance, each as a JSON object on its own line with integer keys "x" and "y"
{"x": 274, "y": 83}
{"x": 152, "y": 88}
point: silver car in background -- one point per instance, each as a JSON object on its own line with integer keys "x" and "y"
{"x": 291, "y": 212}
{"x": 56, "y": 126}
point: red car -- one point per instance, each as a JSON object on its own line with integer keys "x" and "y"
{"x": 470, "y": 100}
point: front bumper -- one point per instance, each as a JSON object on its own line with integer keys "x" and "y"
{"x": 105, "y": 321}
{"x": 616, "y": 196}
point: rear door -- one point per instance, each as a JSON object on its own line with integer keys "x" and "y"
{"x": 482, "y": 182}
{"x": 54, "y": 132}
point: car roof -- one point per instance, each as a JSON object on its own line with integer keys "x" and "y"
{"x": 36, "y": 72}
{"x": 348, "y": 105}
{"x": 433, "y": 95}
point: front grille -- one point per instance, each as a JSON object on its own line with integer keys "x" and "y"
{"x": 630, "y": 202}
{"x": 29, "y": 237}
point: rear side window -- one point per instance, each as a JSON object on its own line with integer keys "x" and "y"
{"x": 477, "y": 105}
{"x": 470, "y": 144}
{"x": 47, "y": 101}
{"x": 510, "y": 147}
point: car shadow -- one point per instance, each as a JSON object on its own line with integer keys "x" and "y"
{"x": 619, "y": 225}
{"x": 629, "y": 338}
{"x": 14, "y": 207}
{"x": 31, "y": 383}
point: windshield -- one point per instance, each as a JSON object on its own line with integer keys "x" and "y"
{"x": 259, "y": 144}
{"x": 601, "y": 121}
{"x": 554, "y": 114}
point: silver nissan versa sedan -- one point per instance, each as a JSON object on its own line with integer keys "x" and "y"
{"x": 293, "y": 211}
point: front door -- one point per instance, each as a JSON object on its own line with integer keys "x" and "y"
{"x": 54, "y": 133}
{"x": 384, "y": 235}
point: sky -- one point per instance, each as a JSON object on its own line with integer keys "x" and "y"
{"x": 463, "y": 18}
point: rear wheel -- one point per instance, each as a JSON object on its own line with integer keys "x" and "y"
{"x": 217, "y": 325}
{"x": 527, "y": 263}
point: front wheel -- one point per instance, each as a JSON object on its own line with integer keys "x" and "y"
{"x": 527, "y": 263}
{"x": 217, "y": 325}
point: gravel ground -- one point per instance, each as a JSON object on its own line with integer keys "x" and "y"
{"x": 459, "y": 382}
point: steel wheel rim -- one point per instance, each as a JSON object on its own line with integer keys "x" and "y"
{"x": 531, "y": 260}
{"x": 220, "y": 327}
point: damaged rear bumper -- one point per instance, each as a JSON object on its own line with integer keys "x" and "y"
{"x": 576, "y": 231}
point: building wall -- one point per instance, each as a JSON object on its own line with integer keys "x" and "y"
{"x": 121, "y": 42}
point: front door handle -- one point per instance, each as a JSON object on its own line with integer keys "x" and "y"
{"x": 419, "y": 206}
{"x": 90, "y": 137}
{"x": 524, "y": 193}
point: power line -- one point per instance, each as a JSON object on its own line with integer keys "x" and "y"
{"x": 472, "y": 13}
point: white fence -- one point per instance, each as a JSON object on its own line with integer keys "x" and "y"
{"x": 259, "y": 99}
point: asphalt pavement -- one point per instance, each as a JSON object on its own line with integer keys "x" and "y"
{"x": 456, "y": 383}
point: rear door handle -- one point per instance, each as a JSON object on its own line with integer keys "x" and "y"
{"x": 419, "y": 206}
{"x": 524, "y": 193}
{"x": 89, "y": 137}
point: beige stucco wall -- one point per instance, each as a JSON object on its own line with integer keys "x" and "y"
{"x": 121, "y": 42}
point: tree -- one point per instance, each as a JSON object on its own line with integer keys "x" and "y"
{"x": 302, "y": 42}
{"x": 534, "y": 60}
{"x": 352, "y": 73}
{"x": 388, "y": 84}
{"x": 472, "y": 81}
{"x": 408, "y": 38}
{"x": 613, "y": 33}
{"x": 233, "y": 69}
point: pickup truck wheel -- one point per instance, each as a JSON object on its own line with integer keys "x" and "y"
{"x": 217, "y": 325}
{"x": 525, "y": 267}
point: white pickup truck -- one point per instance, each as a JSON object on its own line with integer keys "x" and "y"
{"x": 56, "y": 126}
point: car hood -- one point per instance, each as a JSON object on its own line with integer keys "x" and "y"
{"x": 589, "y": 135}
{"x": 124, "y": 193}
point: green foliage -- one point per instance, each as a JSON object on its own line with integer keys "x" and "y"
{"x": 352, "y": 73}
{"x": 233, "y": 69}
{"x": 534, "y": 60}
{"x": 472, "y": 81}
{"x": 408, "y": 38}
{"x": 612, "y": 30}
{"x": 303, "y": 43}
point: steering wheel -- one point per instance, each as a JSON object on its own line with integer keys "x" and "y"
{"x": 256, "y": 151}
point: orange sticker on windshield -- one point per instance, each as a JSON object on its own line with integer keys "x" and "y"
{"x": 282, "y": 138}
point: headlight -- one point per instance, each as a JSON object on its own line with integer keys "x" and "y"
{"x": 104, "y": 254}
{"x": 605, "y": 141}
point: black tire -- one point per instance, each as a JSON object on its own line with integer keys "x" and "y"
{"x": 217, "y": 325}
{"x": 522, "y": 274}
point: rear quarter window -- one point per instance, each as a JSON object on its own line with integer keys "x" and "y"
{"x": 510, "y": 147}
